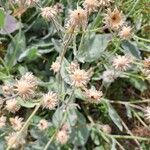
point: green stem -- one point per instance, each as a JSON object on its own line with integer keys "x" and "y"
{"x": 142, "y": 39}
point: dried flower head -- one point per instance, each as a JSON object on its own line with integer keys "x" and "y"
{"x": 56, "y": 66}
{"x": 12, "y": 105}
{"x": 122, "y": 63}
{"x": 90, "y": 5}
{"x": 146, "y": 63}
{"x": 77, "y": 18}
{"x": 2, "y": 121}
{"x": 6, "y": 89}
{"x": 147, "y": 113}
{"x": 93, "y": 95}
{"x": 106, "y": 129}
{"x": 16, "y": 123}
{"x": 109, "y": 76}
{"x": 43, "y": 124}
{"x": 31, "y": 2}
{"x": 59, "y": 7}
{"x": 73, "y": 66}
{"x": 79, "y": 78}
{"x": 104, "y": 2}
{"x": 125, "y": 32}
{"x": 48, "y": 13}
{"x": 50, "y": 100}
{"x": 30, "y": 78}
{"x": 62, "y": 137}
{"x": 25, "y": 89}
{"x": 14, "y": 141}
{"x": 114, "y": 19}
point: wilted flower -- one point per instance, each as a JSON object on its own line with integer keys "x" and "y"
{"x": 147, "y": 113}
{"x": 14, "y": 141}
{"x": 122, "y": 63}
{"x": 146, "y": 63}
{"x": 77, "y": 18}
{"x": 30, "y": 78}
{"x": 16, "y": 123}
{"x": 109, "y": 76}
{"x": 59, "y": 7}
{"x": 12, "y": 105}
{"x": 90, "y": 5}
{"x": 125, "y": 32}
{"x": 2, "y": 121}
{"x": 6, "y": 89}
{"x": 106, "y": 129}
{"x": 114, "y": 19}
{"x": 56, "y": 66}
{"x": 43, "y": 124}
{"x": 104, "y": 2}
{"x": 93, "y": 95}
{"x": 49, "y": 13}
{"x": 62, "y": 137}
{"x": 73, "y": 66}
{"x": 79, "y": 78}
{"x": 31, "y": 2}
{"x": 50, "y": 100}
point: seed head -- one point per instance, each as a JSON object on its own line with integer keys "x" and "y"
{"x": 12, "y": 105}
{"x": 43, "y": 124}
{"x": 93, "y": 95}
{"x": 122, "y": 63}
{"x": 16, "y": 123}
{"x": 114, "y": 19}
{"x": 50, "y": 100}
{"x": 2, "y": 121}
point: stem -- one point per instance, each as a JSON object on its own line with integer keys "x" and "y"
{"x": 142, "y": 39}
{"x": 26, "y": 123}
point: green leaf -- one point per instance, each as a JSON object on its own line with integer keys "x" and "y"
{"x": 93, "y": 47}
{"x": 130, "y": 47}
{"x": 80, "y": 132}
{"x": 138, "y": 84}
{"x": 114, "y": 116}
{"x": 2, "y": 18}
{"x": 26, "y": 104}
{"x": 15, "y": 48}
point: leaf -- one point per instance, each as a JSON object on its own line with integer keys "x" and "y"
{"x": 93, "y": 47}
{"x": 11, "y": 25}
{"x": 64, "y": 72}
{"x": 2, "y": 18}
{"x": 129, "y": 114}
{"x": 15, "y": 48}
{"x": 113, "y": 147}
{"x": 138, "y": 84}
{"x": 80, "y": 132}
{"x": 114, "y": 116}
{"x": 26, "y": 104}
{"x": 130, "y": 47}
{"x": 30, "y": 54}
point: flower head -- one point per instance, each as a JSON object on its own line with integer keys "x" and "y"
{"x": 146, "y": 63}
{"x": 31, "y": 2}
{"x": 43, "y": 124}
{"x": 59, "y": 7}
{"x": 122, "y": 63}
{"x": 12, "y": 105}
{"x": 104, "y": 2}
{"x": 77, "y": 18}
{"x": 106, "y": 129}
{"x": 79, "y": 78}
{"x": 125, "y": 32}
{"x": 109, "y": 76}
{"x": 56, "y": 66}
{"x": 16, "y": 123}
{"x": 6, "y": 89}
{"x": 73, "y": 66}
{"x": 93, "y": 95}
{"x": 14, "y": 141}
{"x": 2, "y": 121}
{"x": 147, "y": 113}
{"x": 50, "y": 100}
{"x": 62, "y": 137}
{"x": 48, "y": 13}
{"x": 114, "y": 19}
{"x": 90, "y": 5}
